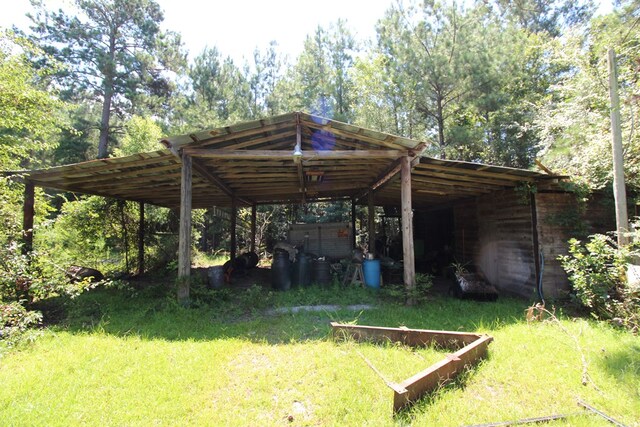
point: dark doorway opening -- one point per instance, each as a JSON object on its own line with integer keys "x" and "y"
{"x": 434, "y": 240}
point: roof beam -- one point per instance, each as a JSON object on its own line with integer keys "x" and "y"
{"x": 286, "y": 154}
{"x": 472, "y": 172}
{"x": 394, "y": 170}
{"x": 297, "y": 158}
{"x": 205, "y": 173}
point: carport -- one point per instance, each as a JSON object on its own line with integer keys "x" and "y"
{"x": 291, "y": 158}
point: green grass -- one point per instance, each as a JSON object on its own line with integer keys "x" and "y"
{"x": 125, "y": 357}
{"x": 204, "y": 259}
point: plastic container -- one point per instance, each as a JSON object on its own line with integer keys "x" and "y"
{"x": 215, "y": 277}
{"x": 371, "y": 269}
{"x": 301, "y": 271}
{"x": 321, "y": 272}
{"x": 281, "y": 272}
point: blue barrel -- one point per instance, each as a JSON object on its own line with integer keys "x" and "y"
{"x": 371, "y": 269}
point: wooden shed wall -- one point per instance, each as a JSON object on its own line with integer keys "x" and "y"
{"x": 558, "y": 220}
{"x": 495, "y": 233}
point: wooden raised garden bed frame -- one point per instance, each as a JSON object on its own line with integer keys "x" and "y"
{"x": 469, "y": 349}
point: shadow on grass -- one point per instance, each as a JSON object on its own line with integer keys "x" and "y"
{"x": 624, "y": 365}
{"x": 147, "y": 309}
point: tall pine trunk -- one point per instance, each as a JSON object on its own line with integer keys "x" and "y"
{"x": 108, "y": 83}
{"x": 104, "y": 124}
{"x": 440, "y": 120}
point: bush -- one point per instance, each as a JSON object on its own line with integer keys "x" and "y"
{"x": 418, "y": 295}
{"x": 597, "y": 272}
{"x": 15, "y": 320}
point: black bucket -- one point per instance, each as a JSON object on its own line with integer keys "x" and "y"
{"x": 301, "y": 271}
{"x": 281, "y": 271}
{"x": 322, "y": 272}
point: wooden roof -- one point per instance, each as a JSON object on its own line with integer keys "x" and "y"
{"x": 287, "y": 158}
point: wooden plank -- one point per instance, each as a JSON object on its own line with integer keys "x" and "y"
{"x": 452, "y": 170}
{"x": 413, "y": 388}
{"x": 234, "y": 217}
{"x": 408, "y": 257}
{"x": 371, "y": 223}
{"x": 212, "y": 177}
{"x": 141, "y": 238}
{"x": 298, "y": 160}
{"x": 270, "y": 139}
{"x": 468, "y": 185}
{"x": 92, "y": 166}
{"x": 383, "y": 141}
{"x": 184, "y": 239}
{"x": 450, "y": 340}
{"x": 110, "y": 175}
{"x": 469, "y": 349}
{"x": 353, "y": 223}
{"x": 286, "y": 154}
{"x": 228, "y": 133}
{"x": 28, "y": 213}
{"x": 253, "y": 227}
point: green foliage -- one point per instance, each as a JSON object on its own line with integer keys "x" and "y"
{"x": 574, "y": 123}
{"x": 103, "y": 234}
{"x": 524, "y": 190}
{"x": 15, "y": 320}
{"x": 141, "y": 136}
{"x": 547, "y": 16}
{"x": 116, "y": 55}
{"x": 30, "y": 114}
{"x": 418, "y": 295}
{"x": 463, "y": 76}
{"x": 221, "y": 93}
{"x": 597, "y": 271}
{"x": 320, "y": 82}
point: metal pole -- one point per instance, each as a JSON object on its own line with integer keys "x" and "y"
{"x": 619, "y": 192}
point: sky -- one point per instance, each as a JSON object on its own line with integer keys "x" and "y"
{"x": 237, "y": 27}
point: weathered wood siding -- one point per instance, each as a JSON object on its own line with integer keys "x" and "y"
{"x": 558, "y": 221}
{"x": 494, "y": 232}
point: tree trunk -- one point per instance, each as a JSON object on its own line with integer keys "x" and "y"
{"x": 108, "y": 84}
{"x": 440, "y": 120}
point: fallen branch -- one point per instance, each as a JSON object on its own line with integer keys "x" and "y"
{"x": 537, "y": 312}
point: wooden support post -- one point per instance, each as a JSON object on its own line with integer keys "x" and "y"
{"x": 353, "y": 222}
{"x": 371, "y": 224}
{"x": 27, "y": 218}
{"x": 408, "y": 256}
{"x": 141, "y": 239}
{"x": 536, "y": 244}
{"x": 254, "y": 215}
{"x": 184, "y": 243}
{"x": 234, "y": 216}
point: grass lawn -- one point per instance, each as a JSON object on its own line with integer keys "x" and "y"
{"x": 125, "y": 357}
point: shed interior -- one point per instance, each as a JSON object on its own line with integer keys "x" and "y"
{"x": 466, "y": 211}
